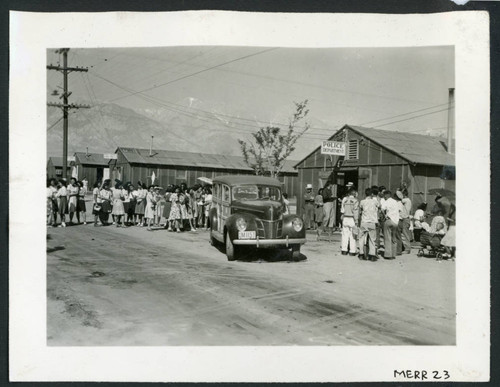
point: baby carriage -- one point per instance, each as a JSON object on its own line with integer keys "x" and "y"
{"x": 430, "y": 240}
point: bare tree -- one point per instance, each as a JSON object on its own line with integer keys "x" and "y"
{"x": 267, "y": 153}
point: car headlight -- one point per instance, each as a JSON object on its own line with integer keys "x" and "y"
{"x": 241, "y": 224}
{"x": 297, "y": 224}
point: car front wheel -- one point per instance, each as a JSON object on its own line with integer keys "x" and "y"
{"x": 295, "y": 252}
{"x": 231, "y": 249}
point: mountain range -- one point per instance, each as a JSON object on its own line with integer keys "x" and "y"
{"x": 189, "y": 126}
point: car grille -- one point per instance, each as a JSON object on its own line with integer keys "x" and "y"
{"x": 268, "y": 229}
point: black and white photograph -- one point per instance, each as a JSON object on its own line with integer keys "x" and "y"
{"x": 327, "y": 175}
{"x": 206, "y": 195}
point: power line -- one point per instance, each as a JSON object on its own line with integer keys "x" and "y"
{"x": 54, "y": 124}
{"x": 411, "y": 118}
{"x": 207, "y": 119}
{"x": 199, "y": 72}
{"x": 405, "y": 114}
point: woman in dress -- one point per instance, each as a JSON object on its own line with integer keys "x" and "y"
{"x": 150, "y": 210}
{"x": 129, "y": 204}
{"x": 125, "y": 202}
{"x": 159, "y": 206}
{"x": 167, "y": 207}
{"x": 106, "y": 197}
{"x": 140, "y": 202}
{"x": 73, "y": 190}
{"x": 192, "y": 209}
{"x": 207, "y": 205}
{"x": 118, "y": 210}
{"x": 449, "y": 241}
{"x": 62, "y": 201}
{"x": 51, "y": 202}
{"x": 81, "y": 208}
{"x": 175, "y": 210}
{"x": 96, "y": 204}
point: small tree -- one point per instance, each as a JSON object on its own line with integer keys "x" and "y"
{"x": 267, "y": 153}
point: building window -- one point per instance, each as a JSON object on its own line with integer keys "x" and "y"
{"x": 181, "y": 174}
{"x": 353, "y": 150}
{"x": 225, "y": 193}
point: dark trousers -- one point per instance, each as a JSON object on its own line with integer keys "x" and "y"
{"x": 379, "y": 233}
{"x": 405, "y": 234}
{"x": 399, "y": 241}
{"x": 308, "y": 214}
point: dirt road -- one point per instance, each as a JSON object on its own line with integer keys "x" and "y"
{"x": 127, "y": 286}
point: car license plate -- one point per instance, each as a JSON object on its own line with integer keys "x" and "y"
{"x": 246, "y": 234}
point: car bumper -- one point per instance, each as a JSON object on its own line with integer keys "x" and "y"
{"x": 269, "y": 242}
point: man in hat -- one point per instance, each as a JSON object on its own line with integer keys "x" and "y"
{"x": 329, "y": 206}
{"x": 308, "y": 206}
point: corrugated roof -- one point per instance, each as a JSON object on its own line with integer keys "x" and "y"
{"x": 190, "y": 159}
{"x": 91, "y": 158}
{"x": 56, "y": 161}
{"x": 416, "y": 148}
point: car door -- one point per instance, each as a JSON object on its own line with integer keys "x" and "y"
{"x": 225, "y": 209}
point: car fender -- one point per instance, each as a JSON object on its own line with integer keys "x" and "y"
{"x": 288, "y": 229}
{"x": 230, "y": 224}
{"x": 213, "y": 218}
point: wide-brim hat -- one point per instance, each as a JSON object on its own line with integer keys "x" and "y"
{"x": 399, "y": 194}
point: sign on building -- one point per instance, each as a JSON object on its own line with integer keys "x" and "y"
{"x": 333, "y": 148}
{"x": 110, "y": 156}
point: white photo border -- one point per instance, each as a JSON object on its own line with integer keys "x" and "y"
{"x": 31, "y": 34}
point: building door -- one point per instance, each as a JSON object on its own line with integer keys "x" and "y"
{"x": 99, "y": 174}
{"x": 364, "y": 180}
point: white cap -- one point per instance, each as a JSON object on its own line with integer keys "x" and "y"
{"x": 309, "y": 186}
{"x": 350, "y": 184}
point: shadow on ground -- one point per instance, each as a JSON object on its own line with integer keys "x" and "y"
{"x": 55, "y": 248}
{"x": 252, "y": 254}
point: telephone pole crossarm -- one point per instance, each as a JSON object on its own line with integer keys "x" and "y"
{"x": 68, "y": 69}
{"x": 68, "y": 106}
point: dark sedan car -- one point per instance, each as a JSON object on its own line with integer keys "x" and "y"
{"x": 249, "y": 211}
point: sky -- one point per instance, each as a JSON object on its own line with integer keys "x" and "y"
{"x": 401, "y": 89}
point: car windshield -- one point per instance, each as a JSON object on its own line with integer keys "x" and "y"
{"x": 256, "y": 192}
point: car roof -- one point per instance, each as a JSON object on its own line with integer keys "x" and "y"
{"x": 246, "y": 179}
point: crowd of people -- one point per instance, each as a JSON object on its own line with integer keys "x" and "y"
{"x": 174, "y": 208}
{"x": 382, "y": 220}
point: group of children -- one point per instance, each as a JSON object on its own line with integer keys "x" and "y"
{"x": 64, "y": 199}
{"x": 178, "y": 207}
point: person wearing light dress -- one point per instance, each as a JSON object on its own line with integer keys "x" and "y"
{"x": 150, "y": 209}
{"x": 118, "y": 209}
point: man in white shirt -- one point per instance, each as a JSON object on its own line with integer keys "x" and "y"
{"x": 350, "y": 216}
{"x": 391, "y": 210}
{"x": 368, "y": 208}
{"x": 404, "y": 224}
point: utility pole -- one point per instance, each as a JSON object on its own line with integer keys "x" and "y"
{"x": 65, "y": 106}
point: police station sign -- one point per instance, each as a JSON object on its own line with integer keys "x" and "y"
{"x": 333, "y": 148}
